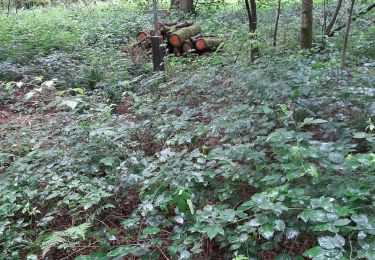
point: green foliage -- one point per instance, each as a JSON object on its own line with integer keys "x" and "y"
{"x": 276, "y": 156}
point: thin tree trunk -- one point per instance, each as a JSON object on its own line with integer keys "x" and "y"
{"x": 325, "y": 15}
{"x": 307, "y": 24}
{"x": 368, "y": 9}
{"x": 349, "y": 12}
{"x": 8, "y": 6}
{"x": 251, "y": 9}
{"x": 334, "y": 18}
{"x": 277, "y": 24}
{"x": 248, "y": 11}
{"x": 254, "y": 15}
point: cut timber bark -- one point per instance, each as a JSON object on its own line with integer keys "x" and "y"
{"x": 207, "y": 44}
{"x": 180, "y": 36}
{"x": 144, "y": 34}
{"x": 167, "y": 27}
{"x": 194, "y": 38}
{"x": 148, "y": 39}
{"x": 184, "y": 24}
{"x": 141, "y": 36}
{"x": 187, "y": 46}
{"x": 177, "y": 51}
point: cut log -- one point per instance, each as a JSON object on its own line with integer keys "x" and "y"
{"x": 177, "y": 51}
{"x": 141, "y": 36}
{"x": 144, "y": 34}
{"x": 187, "y": 46}
{"x": 206, "y": 44}
{"x": 148, "y": 39}
{"x": 180, "y": 36}
{"x": 171, "y": 27}
{"x": 183, "y": 24}
{"x": 194, "y": 38}
{"x": 162, "y": 26}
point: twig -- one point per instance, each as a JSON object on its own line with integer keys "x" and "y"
{"x": 351, "y": 247}
{"x": 68, "y": 256}
{"x": 161, "y": 251}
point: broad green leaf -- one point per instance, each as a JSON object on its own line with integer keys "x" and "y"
{"x": 266, "y": 231}
{"x": 94, "y": 256}
{"x": 342, "y": 222}
{"x": 213, "y": 231}
{"x": 328, "y": 242}
{"x": 79, "y": 90}
{"x": 314, "y": 252}
{"x": 121, "y": 251}
{"x": 150, "y": 231}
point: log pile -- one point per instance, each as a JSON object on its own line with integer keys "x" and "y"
{"x": 181, "y": 38}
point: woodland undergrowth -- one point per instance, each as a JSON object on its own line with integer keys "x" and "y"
{"x": 215, "y": 158}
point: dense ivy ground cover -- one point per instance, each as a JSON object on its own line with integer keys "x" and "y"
{"x": 216, "y": 158}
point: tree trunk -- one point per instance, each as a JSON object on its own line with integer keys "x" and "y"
{"x": 334, "y": 18}
{"x": 325, "y": 15}
{"x": 307, "y": 24}
{"x": 368, "y": 9}
{"x": 349, "y": 12}
{"x": 251, "y": 9}
{"x": 251, "y": 14}
{"x": 277, "y": 23}
{"x": 186, "y": 6}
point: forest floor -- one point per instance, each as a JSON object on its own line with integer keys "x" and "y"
{"x": 215, "y": 158}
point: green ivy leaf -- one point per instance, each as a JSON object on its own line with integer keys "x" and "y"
{"x": 212, "y": 231}
{"x": 150, "y": 231}
{"x": 314, "y": 252}
{"x": 328, "y": 242}
{"x": 266, "y": 231}
{"x": 121, "y": 251}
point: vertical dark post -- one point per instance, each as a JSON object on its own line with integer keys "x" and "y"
{"x": 157, "y": 53}
{"x": 155, "y": 13}
{"x": 277, "y": 23}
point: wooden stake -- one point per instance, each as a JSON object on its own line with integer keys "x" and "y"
{"x": 157, "y": 53}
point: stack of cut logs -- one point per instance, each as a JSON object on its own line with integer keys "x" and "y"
{"x": 181, "y": 38}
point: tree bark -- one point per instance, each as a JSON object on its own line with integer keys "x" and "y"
{"x": 180, "y": 36}
{"x": 368, "y": 9}
{"x": 349, "y": 12}
{"x": 251, "y": 9}
{"x": 277, "y": 23}
{"x": 187, "y": 46}
{"x": 207, "y": 44}
{"x": 307, "y": 24}
{"x": 334, "y": 18}
{"x": 251, "y": 14}
{"x": 186, "y": 6}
